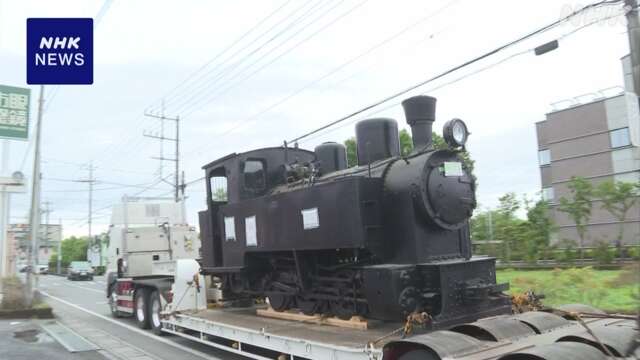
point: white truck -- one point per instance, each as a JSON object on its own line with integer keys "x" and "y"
{"x": 146, "y": 241}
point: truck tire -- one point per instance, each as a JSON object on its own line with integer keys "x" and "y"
{"x": 155, "y": 306}
{"x": 141, "y": 308}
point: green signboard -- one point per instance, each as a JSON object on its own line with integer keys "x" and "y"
{"x": 14, "y": 112}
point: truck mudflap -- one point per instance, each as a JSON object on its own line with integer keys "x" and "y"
{"x": 531, "y": 335}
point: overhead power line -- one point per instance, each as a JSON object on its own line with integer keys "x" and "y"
{"x": 130, "y": 143}
{"x": 563, "y": 36}
{"x": 203, "y": 93}
{"x": 289, "y": 20}
{"x": 335, "y": 70}
{"x": 298, "y": 44}
{"x": 455, "y": 68}
{"x": 464, "y": 76}
{"x": 224, "y": 51}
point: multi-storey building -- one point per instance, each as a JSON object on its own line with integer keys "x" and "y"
{"x": 49, "y": 239}
{"x": 597, "y": 140}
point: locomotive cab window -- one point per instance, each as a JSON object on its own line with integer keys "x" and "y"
{"x": 254, "y": 174}
{"x": 218, "y": 188}
{"x": 218, "y": 185}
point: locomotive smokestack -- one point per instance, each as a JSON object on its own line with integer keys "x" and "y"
{"x": 420, "y": 112}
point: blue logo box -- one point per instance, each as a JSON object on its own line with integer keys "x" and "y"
{"x": 59, "y": 51}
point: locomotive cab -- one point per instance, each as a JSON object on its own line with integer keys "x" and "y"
{"x": 233, "y": 179}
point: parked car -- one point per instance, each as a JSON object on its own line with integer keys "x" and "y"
{"x": 43, "y": 269}
{"x": 80, "y": 270}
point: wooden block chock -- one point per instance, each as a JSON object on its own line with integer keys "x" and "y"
{"x": 356, "y": 322}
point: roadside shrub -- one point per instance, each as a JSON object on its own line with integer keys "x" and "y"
{"x": 602, "y": 254}
{"x": 568, "y": 252}
{"x": 634, "y": 253}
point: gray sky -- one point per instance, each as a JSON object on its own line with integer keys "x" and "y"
{"x": 143, "y": 49}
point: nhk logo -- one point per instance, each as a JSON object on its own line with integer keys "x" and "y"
{"x": 62, "y": 59}
{"x": 59, "y": 51}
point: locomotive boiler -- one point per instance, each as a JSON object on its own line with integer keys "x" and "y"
{"x": 382, "y": 239}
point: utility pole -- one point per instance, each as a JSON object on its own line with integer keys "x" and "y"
{"x": 59, "y": 248}
{"x": 32, "y": 276}
{"x": 89, "y": 181}
{"x": 176, "y": 159}
{"x": 633, "y": 31}
{"x": 47, "y": 209}
{"x": 4, "y": 215}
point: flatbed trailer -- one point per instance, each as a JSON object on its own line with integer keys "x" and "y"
{"x": 536, "y": 335}
{"x": 243, "y": 332}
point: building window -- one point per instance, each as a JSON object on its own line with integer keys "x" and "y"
{"x": 544, "y": 157}
{"x": 620, "y": 138}
{"x": 547, "y": 194}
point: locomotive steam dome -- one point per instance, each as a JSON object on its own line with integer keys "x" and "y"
{"x": 377, "y": 139}
{"x": 332, "y": 157}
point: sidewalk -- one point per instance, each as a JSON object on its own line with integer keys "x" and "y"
{"x": 26, "y": 340}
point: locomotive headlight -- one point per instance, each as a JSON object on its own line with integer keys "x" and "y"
{"x": 455, "y": 133}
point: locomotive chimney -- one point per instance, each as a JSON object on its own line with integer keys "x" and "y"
{"x": 420, "y": 112}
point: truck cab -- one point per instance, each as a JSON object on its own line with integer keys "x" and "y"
{"x": 146, "y": 240}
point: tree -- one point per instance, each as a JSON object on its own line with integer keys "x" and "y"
{"x": 406, "y": 142}
{"x": 509, "y": 204}
{"x": 73, "y": 249}
{"x": 617, "y": 198}
{"x": 219, "y": 194}
{"x": 578, "y": 207}
{"x": 352, "y": 157}
{"x": 508, "y": 228}
{"x": 540, "y": 228}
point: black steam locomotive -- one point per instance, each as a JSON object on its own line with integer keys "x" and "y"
{"x": 383, "y": 239}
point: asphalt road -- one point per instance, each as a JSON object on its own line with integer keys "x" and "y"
{"x": 82, "y": 305}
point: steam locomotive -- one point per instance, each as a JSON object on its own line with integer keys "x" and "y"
{"x": 383, "y": 239}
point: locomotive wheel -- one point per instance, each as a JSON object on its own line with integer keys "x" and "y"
{"x": 308, "y": 306}
{"x": 342, "y": 309}
{"x": 279, "y": 302}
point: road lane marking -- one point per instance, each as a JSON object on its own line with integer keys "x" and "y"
{"x": 131, "y": 328}
{"x": 90, "y": 289}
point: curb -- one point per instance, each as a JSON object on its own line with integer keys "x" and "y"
{"x": 43, "y": 313}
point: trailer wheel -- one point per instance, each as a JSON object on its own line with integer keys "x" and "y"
{"x": 141, "y": 308}
{"x": 155, "y": 306}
